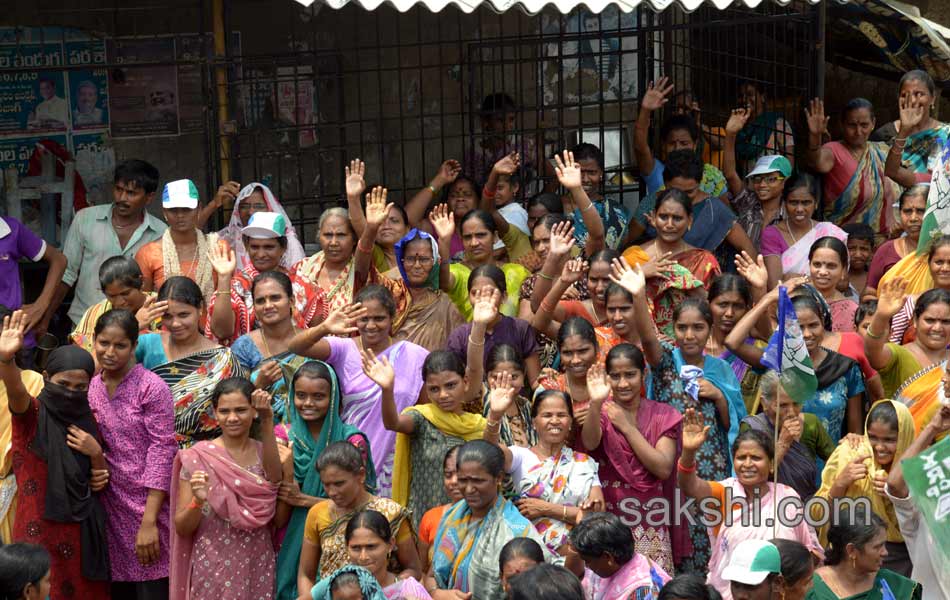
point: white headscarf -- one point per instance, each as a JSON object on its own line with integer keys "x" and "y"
{"x": 232, "y": 233}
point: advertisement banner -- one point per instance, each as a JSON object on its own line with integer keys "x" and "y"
{"x": 143, "y": 100}
{"x": 95, "y": 163}
{"x": 32, "y": 99}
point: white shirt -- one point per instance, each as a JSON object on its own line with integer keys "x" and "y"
{"x": 920, "y": 546}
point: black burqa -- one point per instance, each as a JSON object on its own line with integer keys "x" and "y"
{"x": 68, "y": 497}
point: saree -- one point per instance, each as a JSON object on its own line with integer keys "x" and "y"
{"x": 33, "y": 382}
{"x": 369, "y": 587}
{"x": 344, "y": 288}
{"x": 712, "y": 221}
{"x": 897, "y": 587}
{"x": 465, "y": 550}
{"x": 844, "y": 455}
{"x": 240, "y": 506}
{"x": 638, "y": 578}
{"x": 233, "y": 232}
{"x": 914, "y": 270}
{"x": 922, "y": 149}
{"x": 920, "y": 394}
{"x": 249, "y": 355}
{"x": 616, "y": 220}
{"x": 867, "y": 195}
{"x": 82, "y": 334}
{"x": 333, "y": 550}
{"x": 406, "y": 589}
{"x": 665, "y": 291}
{"x": 748, "y": 378}
{"x": 795, "y": 257}
{"x": 306, "y": 451}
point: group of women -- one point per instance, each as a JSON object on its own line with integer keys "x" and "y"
{"x": 232, "y": 425}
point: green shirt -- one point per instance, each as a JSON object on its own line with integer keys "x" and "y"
{"x": 90, "y": 241}
{"x": 514, "y": 276}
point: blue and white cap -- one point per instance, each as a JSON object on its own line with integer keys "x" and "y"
{"x": 180, "y": 194}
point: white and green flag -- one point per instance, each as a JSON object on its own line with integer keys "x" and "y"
{"x": 937, "y": 217}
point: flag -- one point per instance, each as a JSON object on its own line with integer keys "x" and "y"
{"x": 787, "y": 355}
{"x": 938, "y": 203}
{"x": 928, "y": 479}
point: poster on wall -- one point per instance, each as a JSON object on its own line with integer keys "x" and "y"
{"x": 95, "y": 163}
{"x": 143, "y": 100}
{"x": 17, "y": 151}
{"x": 296, "y": 102}
{"x": 193, "y": 100}
{"x": 88, "y": 88}
{"x": 33, "y": 98}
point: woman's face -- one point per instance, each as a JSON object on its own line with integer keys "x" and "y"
{"x": 368, "y": 550}
{"x": 577, "y": 355}
{"x": 512, "y": 369}
{"x": 250, "y": 205}
{"x": 417, "y": 261}
{"x": 940, "y": 267}
{"x": 74, "y": 380}
{"x": 124, "y": 296}
{"x": 181, "y": 320}
{"x": 768, "y": 186}
{"x": 800, "y": 589}
{"x": 234, "y": 414}
{"x": 516, "y": 565}
{"x": 727, "y": 308}
{"x": 883, "y": 438}
{"x": 598, "y": 279}
{"x": 933, "y": 327}
{"x": 870, "y": 558}
{"x": 541, "y": 240}
{"x": 180, "y": 220}
{"x": 341, "y": 486}
{"x": 478, "y": 241}
{"x": 626, "y": 380}
{"x": 752, "y": 464}
{"x": 375, "y": 325}
{"x": 446, "y": 390}
{"x": 336, "y": 239}
{"x": 272, "y": 305}
{"x": 591, "y": 176}
{"x": 450, "y": 478}
{"x": 813, "y": 330}
{"x": 751, "y": 98}
{"x": 265, "y": 254}
{"x": 912, "y": 215}
{"x": 393, "y": 229}
{"x": 917, "y": 91}
{"x": 787, "y": 408}
{"x": 857, "y": 126}
{"x": 536, "y": 213}
{"x": 678, "y": 139}
{"x": 691, "y": 331}
{"x": 479, "y": 487}
{"x": 800, "y": 206}
{"x": 484, "y": 284}
{"x": 312, "y": 398}
{"x": 826, "y": 269}
{"x": 114, "y": 350}
{"x": 553, "y": 421}
{"x": 462, "y": 198}
{"x": 621, "y": 314}
{"x": 671, "y": 222}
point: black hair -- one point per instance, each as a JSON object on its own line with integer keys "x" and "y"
{"x": 753, "y": 435}
{"x": 21, "y": 564}
{"x": 402, "y": 213}
{"x": 345, "y": 580}
{"x": 503, "y": 353}
{"x": 603, "y": 533}
{"x": 607, "y": 255}
{"x": 677, "y": 196}
{"x": 342, "y": 455}
{"x": 918, "y": 189}
{"x": 628, "y": 352}
{"x": 498, "y": 102}
{"x": 486, "y": 454}
{"x": 452, "y": 186}
{"x": 931, "y": 296}
{"x": 441, "y": 361}
{"x": 884, "y": 412}
{"x": 230, "y": 386}
{"x": 688, "y": 587}
{"x": 480, "y": 215}
{"x": 941, "y": 242}
{"x": 277, "y": 277}
{"x": 492, "y": 272}
{"x": 679, "y": 123}
{"x": 137, "y": 173}
{"x": 545, "y": 582}
{"x": 796, "y": 560}
{"x": 520, "y": 547}
{"x": 181, "y": 289}
{"x": 551, "y": 219}
{"x": 807, "y": 301}
{"x": 800, "y": 180}
{"x": 121, "y": 318}
{"x": 921, "y": 76}
{"x": 379, "y": 294}
{"x": 615, "y": 289}
{"x": 372, "y": 520}
{"x": 694, "y": 303}
{"x": 865, "y": 309}
{"x": 448, "y": 455}
{"x": 857, "y": 104}
{"x": 859, "y": 231}
{"x": 831, "y": 243}
{"x": 313, "y": 369}
{"x": 858, "y": 528}
{"x": 730, "y": 282}
{"x": 543, "y": 395}
{"x": 549, "y": 200}
{"x": 120, "y": 269}
{"x": 684, "y": 164}
{"x": 577, "y": 326}
{"x": 281, "y": 240}
{"x": 587, "y": 151}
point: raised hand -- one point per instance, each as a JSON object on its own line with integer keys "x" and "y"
{"x": 376, "y": 207}
{"x": 508, "y": 165}
{"x": 199, "y": 486}
{"x": 355, "y": 181}
{"x": 442, "y": 221}
{"x": 631, "y": 279}
{"x": 694, "y": 432}
{"x": 568, "y": 172}
{"x": 485, "y": 307}
{"x": 562, "y": 239}
{"x": 150, "y": 311}
{"x": 574, "y": 270}
{"x": 754, "y": 271}
{"x": 597, "y": 387}
{"x": 342, "y": 322}
{"x": 912, "y": 114}
{"x": 501, "y": 393}
{"x": 737, "y": 121}
{"x": 222, "y": 259}
{"x": 447, "y": 174}
{"x": 815, "y": 115}
{"x": 11, "y": 339}
{"x": 891, "y": 296}
{"x": 378, "y": 369}
{"x": 657, "y": 95}
{"x": 227, "y": 192}
{"x": 261, "y": 402}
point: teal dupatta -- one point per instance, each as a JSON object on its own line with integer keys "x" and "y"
{"x": 306, "y": 452}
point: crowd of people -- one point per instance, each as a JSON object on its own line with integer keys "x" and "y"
{"x": 474, "y": 395}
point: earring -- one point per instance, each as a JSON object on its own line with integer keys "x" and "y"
{"x": 854, "y": 566}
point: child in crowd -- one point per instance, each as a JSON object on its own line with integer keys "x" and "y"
{"x": 860, "y": 251}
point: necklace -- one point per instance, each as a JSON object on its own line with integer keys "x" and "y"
{"x": 788, "y": 226}
{"x": 264, "y": 339}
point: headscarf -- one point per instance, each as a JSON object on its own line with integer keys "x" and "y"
{"x": 306, "y": 452}
{"x": 68, "y": 497}
{"x": 369, "y": 587}
{"x": 432, "y": 282}
{"x": 232, "y": 233}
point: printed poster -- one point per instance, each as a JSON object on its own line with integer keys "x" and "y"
{"x": 296, "y": 102}
{"x": 95, "y": 163}
{"x": 33, "y": 99}
{"x": 143, "y": 100}
{"x": 88, "y": 88}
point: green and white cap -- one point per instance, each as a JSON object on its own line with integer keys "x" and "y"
{"x": 266, "y": 225}
{"x": 180, "y": 194}
{"x": 771, "y": 163}
{"x": 752, "y": 561}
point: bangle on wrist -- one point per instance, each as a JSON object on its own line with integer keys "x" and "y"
{"x": 359, "y": 246}
{"x": 222, "y": 292}
{"x": 588, "y": 207}
{"x": 473, "y": 342}
{"x": 684, "y": 469}
{"x": 544, "y": 275}
{"x": 564, "y": 512}
{"x": 872, "y": 335}
{"x": 435, "y": 191}
{"x": 488, "y": 193}
{"x": 194, "y": 504}
{"x": 547, "y": 307}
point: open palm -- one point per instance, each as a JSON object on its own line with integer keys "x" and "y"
{"x": 568, "y": 171}
{"x": 485, "y": 308}
{"x": 501, "y": 393}
{"x": 597, "y": 386}
{"x": 657, "y": 94}
{"x": 737, "y": 120}
{"x": 376, "y": 208}
{"x": 355, "y": 181}
{"x": 815, "y": 114}
{"x": 11, "y": 340}
{"x": 442, "y": 221}
{"x": 378, "y": 369}
{"x": 890, "y": 298}
{"x": 630, "y": 279}
{"x": 222, "y": 259}
{"x": 694, "y": 432}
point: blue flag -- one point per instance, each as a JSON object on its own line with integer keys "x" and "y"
{"x": 787, "y": 354}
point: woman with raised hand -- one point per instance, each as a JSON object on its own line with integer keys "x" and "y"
{"x": 391, "y": 229}
{"x": 889, "y": 258}
{"x": 595, "y": 273}
{"x": 938, "y": 277}
{"x": 919, "y": 138}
